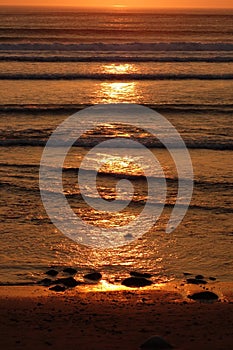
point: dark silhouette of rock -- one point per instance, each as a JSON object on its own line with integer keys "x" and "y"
{"x": 51, "y": 272}
{"x": 187, "y": 274}
{"x": 69, "y": 282}
{"x": 58, "y": 288}
{"x": 128, "y": 236}
{"x": 199, "y": 277}
{"x": 204, "y": 296}
{"x": 135, "y": 282}
{"x": 94, "y": 276}
{"x": 212, "y": 278}
{"x": 195, "y": 281}
{"x": 46, "y": 282}
{"x": 70, "y": 270}
{"x": 140, "y": 274}
{"x": 155, "y": 343}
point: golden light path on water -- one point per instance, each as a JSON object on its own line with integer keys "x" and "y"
{"x": 114, "y": 91}
{"x": 119, "y": 68}
{"x": 118, "y": 165}
{"x": 117, "y": 92}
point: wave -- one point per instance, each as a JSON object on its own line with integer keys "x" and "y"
{"x": 120, "y": 77}
{"x": 129, "y": 176}
{"x": 206, "y": 185}
{"x": 76, "y": 197}
{"x": 89, "y": 143}
{"x": 63, "y": 108}
{"x": 128, "y": 59}
{"x": 136, "y": 46}
{"x": 105, "y": 30}
{"x": 15, "y": 165}
{"x": 200, "y": 185}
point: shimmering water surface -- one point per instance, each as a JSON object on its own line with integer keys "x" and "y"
{"x": 53, "y": 64}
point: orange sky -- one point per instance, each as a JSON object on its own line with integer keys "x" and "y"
{"x": 128, "y": 3}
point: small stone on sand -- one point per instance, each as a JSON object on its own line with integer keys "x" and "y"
{"x": 58, "y": 288}
{"x": 140, "y": 274}
{"x": 68, "y": 282}
{"x": 94, "y": 276}
{"x": 70, "y": 270}
{"x": 52, "y": 272}
{"x": 195, "y": 281}
{"x": 128, "y": 236}
{"x": 204, "y": 296}
{"x": 45, "y": 282}
{"x": 212, "y": 278}
{"x": 199, "y": 277}
{"x": 135, "y": 282}
{"x": 155, "y": 343}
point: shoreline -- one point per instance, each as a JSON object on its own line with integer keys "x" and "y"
{"x": 224, "y": 290}
{"x": 37, "y": 318}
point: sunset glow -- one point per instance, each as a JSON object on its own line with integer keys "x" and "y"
{"x": 123, "y": 5}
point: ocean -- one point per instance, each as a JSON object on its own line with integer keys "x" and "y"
{"x": 54, "y": 63}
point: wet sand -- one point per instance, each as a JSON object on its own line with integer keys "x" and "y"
{"x": 37, "y": 318}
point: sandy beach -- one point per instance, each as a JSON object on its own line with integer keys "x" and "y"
{"x": 37, "y": 318}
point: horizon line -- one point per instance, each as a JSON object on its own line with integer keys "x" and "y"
{"x": 115, "y": 7}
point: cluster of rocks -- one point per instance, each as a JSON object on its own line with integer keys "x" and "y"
{"x": 63, "y": 283}
{"x": 200, "y": 280}
{"x": 137, "y": 279}
{"x": 204, "y": 296}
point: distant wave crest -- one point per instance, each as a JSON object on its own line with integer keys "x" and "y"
{"x": 215, "y": 144}
{"x": 121, "y": 77}
{"x": 136, "y": 46}
{"x": 71, "y": 108}
{"x": 114, "y": 58}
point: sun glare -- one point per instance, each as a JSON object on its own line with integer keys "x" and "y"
{"x": 122, "y": 68}
{"x": 121, "y": 166}
{"x": 119, "y": 6}
{"x": 117, "y": 92}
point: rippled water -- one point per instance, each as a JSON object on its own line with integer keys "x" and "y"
{"x": 180, "y": 65}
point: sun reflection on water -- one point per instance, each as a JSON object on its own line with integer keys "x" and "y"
{"x": 118, "y": 165}
{"x": 116, "y": 68}
{"x": 114, "y": 91}
{"x": 117, "y": 92}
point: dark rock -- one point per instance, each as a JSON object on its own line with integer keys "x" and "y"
{"x": 94, "y": 276}
{"x": 199, "y": 277}
{"x": 204, "y": 296}
{"x": 51, "y": 272}
{"x": 58, "y": 288}
{"x": 45, "y": 282}
{"x": 212, "y": 278}
{"x": 68, "y": 282}
{"x": 187, "y": 274}
{"x": 156, "y": 343}
{"x": 70, "y": 270}
{"x": 195, "y": 281}
{"x": 140, "y": 274}
{"x": 128, "y": 236}
{"x": 136, "y": 282}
